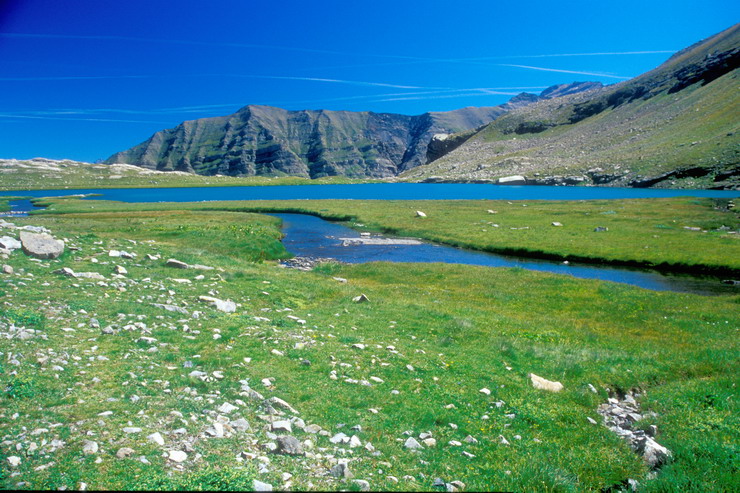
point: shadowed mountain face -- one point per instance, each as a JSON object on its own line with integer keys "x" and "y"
{"x": 675, "y": 126}
{"x": 263, "y": 140}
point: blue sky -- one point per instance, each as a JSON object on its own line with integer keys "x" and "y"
{"x": 82, "y": 79}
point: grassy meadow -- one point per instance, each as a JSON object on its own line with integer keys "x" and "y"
{"x": 658, "y": 233}
{"x": 412, "y": 360}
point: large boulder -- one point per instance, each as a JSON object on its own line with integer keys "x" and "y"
{"x": 41, "y": 245}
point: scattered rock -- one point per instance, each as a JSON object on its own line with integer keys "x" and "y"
{"x": 555, "y": 223}
{"x": 283, "y": 425}
{"x": 224, "y": 306}
{"x": 125, "y": 452}
{"x": 544, "y": 384}
{"x": 176, "y": 264}
{"x": 8, "y": 270}
{"x": 41, "y": 245}
{"x": 9, "y": 243}
{"x": 14, "y": 461}
{"x": 362, "y": 298}
{"x": 289, "y": 445}
{"x": 341, "y": 471}
{"x": 260, "y": 486}
{"x": 420, "y": 214}
{"x": 178, "y": 456}
{"x": 412, "y": 444}
{"x": 655, "y": 455}
{"x": 363, "y": 485}
{"x": 156, "y": 438}
{"x": 90, "y": 447}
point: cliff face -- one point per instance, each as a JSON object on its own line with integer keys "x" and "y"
{"x": 674, "y": 126}
{"x": 263, "y": 140}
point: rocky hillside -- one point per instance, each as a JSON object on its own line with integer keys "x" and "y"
{"x": 674, "y": 126}
{"x": 263, "y": 140}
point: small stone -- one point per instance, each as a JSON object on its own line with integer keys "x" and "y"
{"x": 260, "y": 486}
{"x": 227, "y": 408}
{"x": 591, "y": 420}
{"x": 654, "y": 454}
{"x": 156, "y": 438}
{"x": 176, "y": 264}
{"x": 283, "y": 425}
{"x": 8, "y": 269}
{"x": 503, "y": 440}
{"x": 289, "y": 445}
{"x": 355, "y": 442}
{"x": 125, "y": 452}
{"x": 470, "y": 439}
{"x": 178, "y": 456}
{"x": 362, "y": 298}
{"x": 544, "y": 384}
{"x": 341, "y": 471}
{"x": 412, "y": 444}
{"x": 555, "y": 223}
{"x": 312, "y": 428}
{"x": 429, "y": 442}
{"x": 14, "y": 461}
{"x": 364, "y": 485}
{"x": 131, "y": 429}
{"x": 90, "y": 447}
{"x": 485, "y": 391}
{"x": 420, "y": 214}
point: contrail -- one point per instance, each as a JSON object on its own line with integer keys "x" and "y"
{"x": 448, "y": 93}
{"x": 81, "y": 119}
{"x": 597, "y": 74}
{"x": 246, "y": 76}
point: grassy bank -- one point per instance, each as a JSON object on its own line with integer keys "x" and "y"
{"x": 431, "y": 336}
{"x": 659, "y": 233}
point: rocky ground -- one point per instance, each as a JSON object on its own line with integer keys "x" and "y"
{"x": 149, "y": 370}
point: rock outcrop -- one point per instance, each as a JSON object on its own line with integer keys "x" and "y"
{"x": 264, "y": 140}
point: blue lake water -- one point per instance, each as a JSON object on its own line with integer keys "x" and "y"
{"x": 310, "y": 236}
{"x": 385, "y": 191}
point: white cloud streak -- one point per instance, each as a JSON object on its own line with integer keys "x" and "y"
{"x": 110, "y": 120}
{"x": 545, "y": 69}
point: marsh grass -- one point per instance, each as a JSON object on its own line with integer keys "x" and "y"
{"x": 460, "y": 327}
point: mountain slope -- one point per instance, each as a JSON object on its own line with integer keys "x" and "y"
{"x": 676, "y": 122}
{"x": 263, "y": 140}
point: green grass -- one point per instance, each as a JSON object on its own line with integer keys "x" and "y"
{"x": 460, "y": 327}
{"x": 642, "y": 232}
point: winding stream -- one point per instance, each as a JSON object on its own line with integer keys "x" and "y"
{"x": 310, "y": 236}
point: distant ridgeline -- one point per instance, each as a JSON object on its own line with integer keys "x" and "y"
{"x": 675, "y": 126}
{"x": 264, "y": 140}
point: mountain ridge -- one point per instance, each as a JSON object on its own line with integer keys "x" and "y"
{"x": 266, "y": 140}
{"x": 675, "y": 125}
